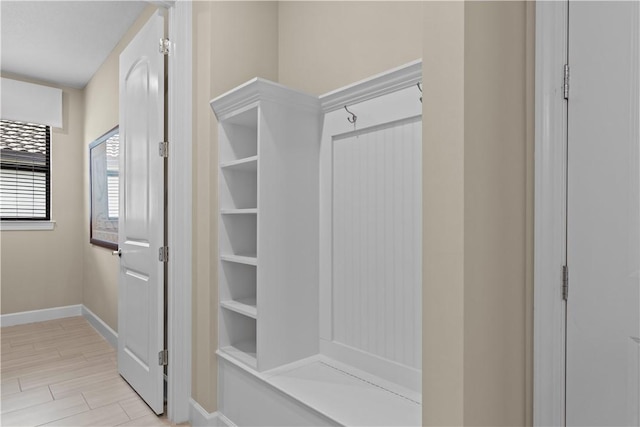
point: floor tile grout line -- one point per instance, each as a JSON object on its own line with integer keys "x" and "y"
{"x": 125, "y": 411}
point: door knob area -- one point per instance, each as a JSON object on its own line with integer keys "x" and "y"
{"x": 118, "y": 252}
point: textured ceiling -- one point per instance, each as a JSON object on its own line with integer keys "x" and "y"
{"x": 62, "y": 42}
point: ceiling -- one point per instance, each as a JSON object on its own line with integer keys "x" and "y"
{"x": 62, "y": 42}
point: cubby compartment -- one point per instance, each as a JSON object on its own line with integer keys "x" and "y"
{"x": 238, "y": 235}
{"x": 238, "y": 337}
{"x": 239, "y": 186}
{"x": 239, "y": 136}
{"x": 238, "y": 288}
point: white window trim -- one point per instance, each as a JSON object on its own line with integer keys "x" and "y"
{"x": 26, "y": 225}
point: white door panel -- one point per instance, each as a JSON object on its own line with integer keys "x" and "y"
{"x": 141, "y": 234}
{"x": 603, "y": 320}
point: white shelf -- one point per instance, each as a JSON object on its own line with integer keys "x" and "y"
{"x": 245, "y": 306}
{"x": 249, "y": 164}
{"x": 238, "y": 211}
{"x": 244, "y": 351}
{"x": 249, "y": 260}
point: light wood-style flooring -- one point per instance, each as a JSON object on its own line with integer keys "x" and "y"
{"x": 63, "y": 373}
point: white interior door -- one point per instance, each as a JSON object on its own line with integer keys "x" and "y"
{"x": 603, "y": 322}
{"x": 141, "y": 234}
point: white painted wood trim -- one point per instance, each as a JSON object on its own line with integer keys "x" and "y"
{"x": 42, "y": 315}
{"x": 224, "y": 421}
{"x": 164, "y": 4}
{"x": 381, "y": 84}
{"x": 550, "y": 206}
{"x": 179, "y": 211}
{"x": 199, "y": 417}
{"x": 394, "y": 372}
{"x": 27, "y": 225}
{"x": 99, "y": 325}
{"x": 259, "y": 89}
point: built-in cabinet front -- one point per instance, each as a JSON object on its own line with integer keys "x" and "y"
{"x": 268, "y": 232}
{"x": 320, "y": 251}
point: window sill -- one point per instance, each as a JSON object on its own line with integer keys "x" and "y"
{"x": 26, "y": 225}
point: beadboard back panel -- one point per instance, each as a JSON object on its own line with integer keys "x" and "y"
{"x": 371, "y": 236}
{"x": 377, "y": 241}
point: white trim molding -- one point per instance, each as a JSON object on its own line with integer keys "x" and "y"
{"x": 224, "y": 421}
{"x": 179, "y": 211}
{"x": 257, "y": 89}
{"x": 42, "y": 315}
{"x": 99, "y": 325}
{"x": 27, "y": 225}
{"x": 199, "y": 417}
{"x": 550, "y": 214}
{"x": 372, "y": 87}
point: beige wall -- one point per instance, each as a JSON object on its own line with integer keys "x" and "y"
{"x": 478, "y": 137}
{"x": 42, "y": 269}
{"x": 443, "y": 274}
{"x": 495, "y": 213}
{"x": 101, "y": 115}
{"x": 233, "y": 42}
{"x": 477, "y": 174}
{"x": 326, "y": 45}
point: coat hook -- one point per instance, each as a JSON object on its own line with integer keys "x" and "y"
{"x": 353, "y": 117}
{"x": 420, "y": 88}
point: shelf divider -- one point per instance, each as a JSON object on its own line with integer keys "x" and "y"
{"x": 238, "y": 211}
{"x": 246, "y": 164}
{"x": 244, "y": 306}
{"x": 241, "y": 259}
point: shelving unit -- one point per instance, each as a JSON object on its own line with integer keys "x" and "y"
{"x": 268, "y": 224}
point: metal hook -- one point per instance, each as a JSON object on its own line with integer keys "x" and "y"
{"x": 420, "y": 89}
{"x": 353, "y": 117}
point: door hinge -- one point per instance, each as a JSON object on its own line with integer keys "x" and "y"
{"x": 163, "y": 254}
{"x": 163, "y": 149}
{"x": 565, "y": 282}
{"x": 565, "y": 83}
{"x": 164, "y": 46}
{"x": 163, "y": 357}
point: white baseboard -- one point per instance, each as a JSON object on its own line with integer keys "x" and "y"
{"x": 224, "y": 421}
{"x": 40, "y": 315}
{"x": 99, "y": 325}
{"x": 45, "y": 314}
{"x": 199, "y": 417}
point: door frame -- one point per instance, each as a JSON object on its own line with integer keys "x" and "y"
{"x": 179, "y": 198}
{"x": 550, "y": 214}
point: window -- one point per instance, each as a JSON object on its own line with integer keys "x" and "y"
{"x": 104, "y": 183}
{"x": 113, "y": 181}
{"x": 25, "y": 178}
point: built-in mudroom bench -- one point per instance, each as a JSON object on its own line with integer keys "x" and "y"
{"x": 320, "y": 249}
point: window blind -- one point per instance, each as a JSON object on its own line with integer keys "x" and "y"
{"x": 113, "y": 176}
{"x": 24, "y": 171}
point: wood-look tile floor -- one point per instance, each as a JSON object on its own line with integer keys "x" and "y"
{"x": 63, "y": 373}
